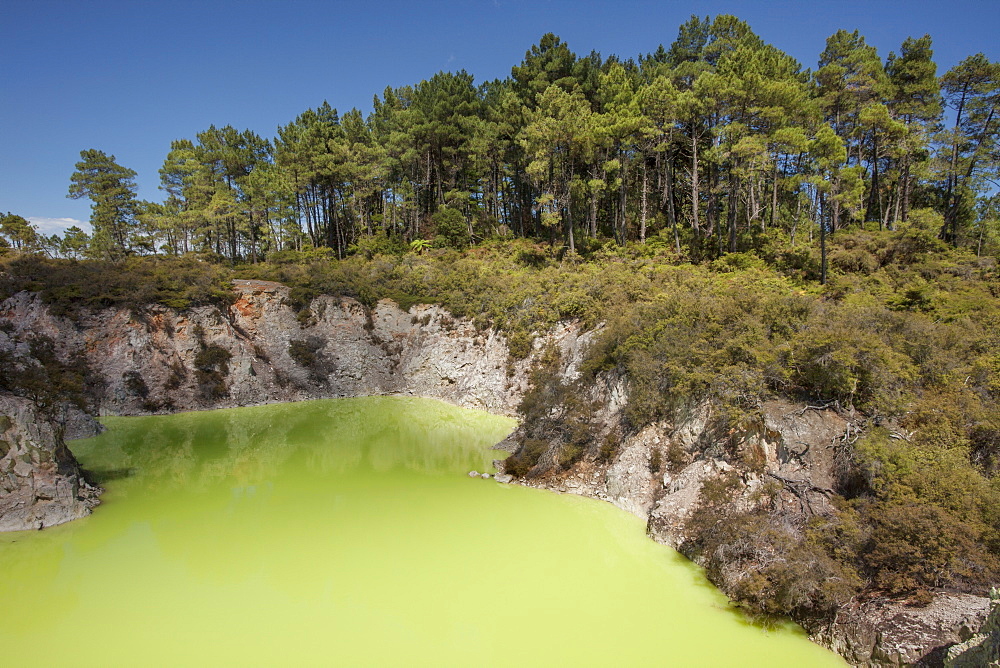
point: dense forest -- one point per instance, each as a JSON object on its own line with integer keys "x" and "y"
{"x": 735, "y": 226}
{"x": 719, "y": 143}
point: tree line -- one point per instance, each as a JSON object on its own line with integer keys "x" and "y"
{"x": 719, "y": 143}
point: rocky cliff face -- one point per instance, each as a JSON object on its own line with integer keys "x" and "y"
{"x": 40, "y": 482}
{"x": 982, "y": 649}
{"x": 261, "y": 350}
{"x": 889, "y": 633}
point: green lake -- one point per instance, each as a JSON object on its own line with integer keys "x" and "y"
{"x": 347, "y": 533}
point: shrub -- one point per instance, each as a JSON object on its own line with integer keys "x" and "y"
{"x": 526, "y": 458}
{"x": 451, "y": 229}
{"x": 916, "y": 546}
{"x": 211, "y": 368}
{"x": 380, "y": 243}
{"x": 213, "y": 358}
{"x": 306, "y": 354}
{"x": 135, "y": 384}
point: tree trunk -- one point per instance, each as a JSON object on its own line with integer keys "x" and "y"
{"x": 694, "y": 185}
{"x": 904, "y": 199}
{"x": 593, "y": 214}
{"x": 671, "y": 212}
{"x": 642, "y": 215}
{"x": 950, "y": 210}
{"x": 795, "y": 220}
{"x": 623, "y": 204}
{"x": 712, "y": 212}
{"x": 822, "y": 241}
{"x": 873, "y": 212}
{"x": 731, "y": 208}
{"x": 774, "y": 196}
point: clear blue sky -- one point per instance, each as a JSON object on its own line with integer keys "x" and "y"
{"x": 129, "y": 77}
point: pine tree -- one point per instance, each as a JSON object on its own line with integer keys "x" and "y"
{"x": 112, "y": 190}
{"x": 915, "y": 99}
{"x": 972, "y": 89}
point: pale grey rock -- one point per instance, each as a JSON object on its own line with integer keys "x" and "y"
{"x": 889, "y": 633}
{"x": 422, "y": 352}
{"x": 982, "y": 649}
{"x": 631, "y": 484}
{"x": 40, "y": 481}
{"x": 679, "y": 499}
{"x": 796, "y": 445}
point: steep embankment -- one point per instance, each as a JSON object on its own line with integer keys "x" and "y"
{"x": 784, "y": 462}
{"x": 260, "y": 350}
{"x": 983, "y": 649}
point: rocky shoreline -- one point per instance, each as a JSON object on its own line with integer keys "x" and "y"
{"x": 877, "y": 632}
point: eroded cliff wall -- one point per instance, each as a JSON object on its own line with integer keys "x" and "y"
{"x": 261, "y": 350}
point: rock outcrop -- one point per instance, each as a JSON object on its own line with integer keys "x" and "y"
{"x": 889, "y": 633}
{"x": 40, "y": 481}
{"x": 261, "y": 350}
{"x": 982, "y": 649}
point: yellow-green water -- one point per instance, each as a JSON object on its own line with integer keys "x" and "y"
{"x": 346, "y": 533}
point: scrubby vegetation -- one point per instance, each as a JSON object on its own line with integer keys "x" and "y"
{"x": 70, "y": 286}
{"x": 211, "y": 365}
{"x": 736, "y": 226}
{"x": 306, "y": 353}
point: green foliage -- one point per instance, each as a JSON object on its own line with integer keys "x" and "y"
{"x": 904, "y": 333}
{"x": 917, "y": 546}
{"x": 451, "y": 229}
{"x": 770, "y": 563}
{"x": 379, "y": 243}
{"x": 840, "y": 355}
{"x": 211, "y": 369}
{"x": 303, "y": 354}
{"x": 608, "y": 448}
{"x": 112, "y": 191}
{"x": 18, "y": 233}
{"x": 933, "y": 514}
{"x": 213, "y": 358}
{"x": 306, "y": 354}
{"x": 655, "y": 462}
{"x": 135, "y": 384}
